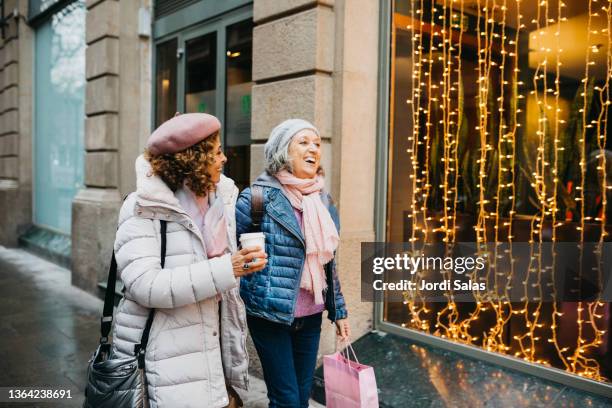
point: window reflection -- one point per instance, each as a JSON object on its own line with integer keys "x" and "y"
{"x": 238, "y": 101}
{"x": 165, "y": 78}
{"x": 201, "y": 74}
{"x": 497, "y": 140}
{"x": 200, "y": 63}
{"x": 59, "y": 116}
{"x": 67, "y": 49}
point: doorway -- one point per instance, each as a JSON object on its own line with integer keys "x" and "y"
{"x": 208, "y": 68}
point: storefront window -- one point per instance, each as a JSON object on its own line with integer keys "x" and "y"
{"x": 201, "y": 74}
{"x": 498, "y": 133}
{"x": 208, "y": 68}
{"x": 165, "y": 81}
{"x": 238, "y": 96}
{"x": 59, "y": 84}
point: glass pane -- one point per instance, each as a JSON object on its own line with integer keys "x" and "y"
{"x": 165, "y": 81}
{"x": 59, "y": 75}
{"x": 238, "y": 101}
{"x": 499, "y": 131}
{"x": 201, "y": 74}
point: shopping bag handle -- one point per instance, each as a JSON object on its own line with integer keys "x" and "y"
{"x": 345, "y": 352}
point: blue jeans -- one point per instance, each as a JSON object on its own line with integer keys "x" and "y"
{"x": 288, "y": 356}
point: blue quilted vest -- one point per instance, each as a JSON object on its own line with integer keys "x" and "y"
{"x": 272, "y": 292}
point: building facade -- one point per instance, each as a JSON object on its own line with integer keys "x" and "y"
{"x": 134, "y": 64}
{"x": 83, "y": 83}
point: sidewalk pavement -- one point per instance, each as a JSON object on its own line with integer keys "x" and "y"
{"x": 49, "y": 328}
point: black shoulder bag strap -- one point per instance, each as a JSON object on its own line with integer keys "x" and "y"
{"x": 256, "y": 206}
{"x": 139, "y": 349}
{"x": 109, "y": 302}
{"x": 106, "y": 322}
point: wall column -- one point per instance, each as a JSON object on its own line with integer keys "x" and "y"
{"x": 354, "y": 146}
{"x": 16, "y": 51}
{"x": 117, "y": 70}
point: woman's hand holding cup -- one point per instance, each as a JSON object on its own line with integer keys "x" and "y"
{"x": 249, "y": 260}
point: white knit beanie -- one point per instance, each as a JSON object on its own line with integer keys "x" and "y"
{"x": 279, "y": 139}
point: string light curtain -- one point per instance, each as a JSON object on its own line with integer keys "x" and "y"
{"x": 524, "y": 159}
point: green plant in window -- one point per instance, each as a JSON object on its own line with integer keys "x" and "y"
{"x": 469, "y": 150}
{"x": 569, "y": 154}
{"x": 525, "y": 162}
{"x": 468, "y": 166}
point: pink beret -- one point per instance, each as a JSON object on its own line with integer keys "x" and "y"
{"x": 181, "y": 132}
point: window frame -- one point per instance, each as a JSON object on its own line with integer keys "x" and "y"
{"x": 383, "y": 162}
{"x": 183, "y": 33}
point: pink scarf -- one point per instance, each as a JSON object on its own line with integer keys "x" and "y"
{"x": 320, "y": 232}
{"x": 208, "y": 214}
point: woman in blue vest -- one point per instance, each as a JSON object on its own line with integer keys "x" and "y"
{"x": 285, "y": 301}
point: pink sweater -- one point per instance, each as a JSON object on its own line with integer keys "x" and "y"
{"x": 305, "y": 305}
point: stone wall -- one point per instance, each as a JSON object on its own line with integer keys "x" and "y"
{"x": 292, "y": 69}
{"x": 354, "y": 145}
{"x": 15, "y": 123}
{"x": 117, "y": 110}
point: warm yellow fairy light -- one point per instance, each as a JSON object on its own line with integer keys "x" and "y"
{"x": 435, "y": 105}
{"x": 527, "y": 351}
{"x": 553, "y": 327}
{"x": 581, "y": 364}
{"x": 575, "y": 358}
{"x": 416, "y": 306}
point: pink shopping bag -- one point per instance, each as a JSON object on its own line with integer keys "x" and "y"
{"x": 348, "y": 384}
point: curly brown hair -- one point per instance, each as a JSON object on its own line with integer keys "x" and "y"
{"x": 187, "y": 166}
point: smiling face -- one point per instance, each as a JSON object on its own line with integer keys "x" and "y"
{"x": 216, "y": 167}
{"x": 305, "y": 154}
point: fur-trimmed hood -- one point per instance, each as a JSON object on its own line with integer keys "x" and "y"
{"x": 151, "y": 191}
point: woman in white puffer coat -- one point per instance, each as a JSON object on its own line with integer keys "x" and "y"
{"x": 197, "y": 344}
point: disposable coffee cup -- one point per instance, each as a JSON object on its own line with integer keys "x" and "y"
{"x": 253, "y": 239}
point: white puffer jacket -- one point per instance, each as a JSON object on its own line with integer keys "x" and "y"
{"x": 198, "y": 336}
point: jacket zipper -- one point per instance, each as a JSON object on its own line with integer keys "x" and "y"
{"x": 302, "y": 269}
{"x": 303, "y": 260}
{"x": 333, "y": 283}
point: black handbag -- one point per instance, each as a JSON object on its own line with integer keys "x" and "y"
{"x": 119, "y": 382}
